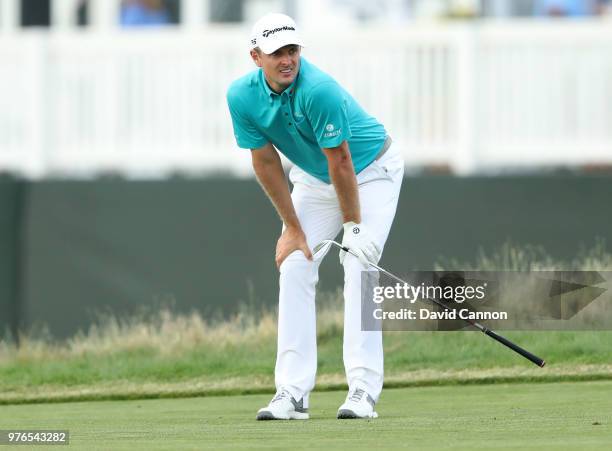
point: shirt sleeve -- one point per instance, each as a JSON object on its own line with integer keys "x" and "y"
{"x": 328, "y": 115}
{"x": 246, "y": 134}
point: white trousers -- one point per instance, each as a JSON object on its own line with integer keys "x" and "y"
{"x": 319, "y": 213}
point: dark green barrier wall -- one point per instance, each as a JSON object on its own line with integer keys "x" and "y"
{"x": 10, "y": 230}
{"x": 455, "y": 217}
{"x": 208, "y": 244}
{"x": 114, "y": 246}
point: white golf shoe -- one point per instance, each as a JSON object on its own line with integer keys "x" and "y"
{"x": 358, "y": 404}
{"x": 283, "y": 407}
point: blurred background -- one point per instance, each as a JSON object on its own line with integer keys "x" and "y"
{"x": 121, "y": 185}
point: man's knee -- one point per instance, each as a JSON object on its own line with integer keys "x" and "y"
{"x": 298, "y": 275}
{"x": 297, "y": 263}
{"x": 353, "y": 265}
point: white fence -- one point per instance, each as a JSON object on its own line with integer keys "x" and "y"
{"x": 476, "y": 97}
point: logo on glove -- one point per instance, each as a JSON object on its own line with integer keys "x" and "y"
{"x": 355, "y": 230}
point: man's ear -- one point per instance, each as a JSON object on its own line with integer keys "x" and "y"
{"x": 256, "y": 58}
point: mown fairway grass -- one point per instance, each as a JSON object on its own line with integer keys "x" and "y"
{"x": 559, "y": 416}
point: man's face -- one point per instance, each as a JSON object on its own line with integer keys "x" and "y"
{"x": 281, "y": 67}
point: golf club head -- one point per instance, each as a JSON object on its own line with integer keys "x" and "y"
{"x": 321, "y": 249}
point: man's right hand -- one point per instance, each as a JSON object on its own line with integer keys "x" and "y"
{"x": 292, "y": 239}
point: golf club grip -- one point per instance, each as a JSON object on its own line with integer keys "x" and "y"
{"x": 528, "y": 355}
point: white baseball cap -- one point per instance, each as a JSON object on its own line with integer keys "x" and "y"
{"x": 274, "y": 31}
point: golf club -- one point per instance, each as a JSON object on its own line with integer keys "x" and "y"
{"x": 321, "y": 248}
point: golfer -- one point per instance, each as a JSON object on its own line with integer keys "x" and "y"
{"x": 346, "y": 176}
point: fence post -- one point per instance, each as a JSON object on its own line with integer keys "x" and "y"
{"x": 63, "y": 14}
{"x": 195, "y": 13}
{"x": 104, "y": 14}
{"x": 464, "y": 161}
{"x": 9, "y": 15}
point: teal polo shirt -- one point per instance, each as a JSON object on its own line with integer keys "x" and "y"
{"x": 315, "y": 112}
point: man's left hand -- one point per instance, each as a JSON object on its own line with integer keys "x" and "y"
{"x": 359, "y": 241}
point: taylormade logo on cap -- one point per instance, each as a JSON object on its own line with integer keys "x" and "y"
{"x": 274, "y": 31}
{"x": 267, "y": 33}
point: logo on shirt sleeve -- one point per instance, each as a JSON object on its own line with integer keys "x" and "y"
{"x": 331, "y": 132}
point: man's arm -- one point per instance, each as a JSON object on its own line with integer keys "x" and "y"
{"x": 271, "y": 176}
{"x": 356, "y": 236}
{"x": 342, "y": 175}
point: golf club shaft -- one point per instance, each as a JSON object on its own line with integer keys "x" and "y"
{"x": 516, "y": 348}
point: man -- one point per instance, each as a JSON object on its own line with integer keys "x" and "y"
{"x": 346, "y": 176}
{"x": 566, "y": 8}
{"x": 135, "y": 13}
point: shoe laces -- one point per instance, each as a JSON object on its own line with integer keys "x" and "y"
{"x": 282, "y": 394}
{"x": 356, "y": 395}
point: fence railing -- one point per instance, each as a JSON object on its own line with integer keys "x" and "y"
{"x": 145, "y": 103}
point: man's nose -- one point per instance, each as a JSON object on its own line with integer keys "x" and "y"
{"x": 286, "y": 59}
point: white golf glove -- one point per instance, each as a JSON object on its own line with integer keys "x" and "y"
{"x": 359, "y": 241}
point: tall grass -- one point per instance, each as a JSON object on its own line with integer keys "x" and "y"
{"x": 168, "y": 333}
{"x": 166, "y": 347}
{"x": 511, "y": 257}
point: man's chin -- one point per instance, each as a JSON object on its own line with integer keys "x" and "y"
{"x": 285, "y": 83}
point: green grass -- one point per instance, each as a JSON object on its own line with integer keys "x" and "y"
{"x": 560, "y": 416}
{"x": 411, "y": 358}
{"x": 172, "y": 355}
{"x": 163, "y": 354}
